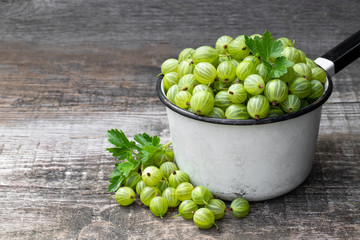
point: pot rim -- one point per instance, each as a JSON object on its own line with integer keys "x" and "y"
{"x": 287, "y": 116}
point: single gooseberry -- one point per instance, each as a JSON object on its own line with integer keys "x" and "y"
{"x": 201, "y": 195}
{"x": 240, "y": 207}
{"x": 151, "y": 176}
{"x": 184, "y": 190}
{"x": 187, "y": 209}
{"x": 149, "y": 193}
{"x": 204, "y": 218}
{"x": 167, "y": 168}
{"x": 177, "y": 177}
{"x": 170, "y": 195}
{"x": 218, "y": 207}
{"x": 125, "y": 196}
{"x": 258, "y": 107}
{"x": 159, "y": 206}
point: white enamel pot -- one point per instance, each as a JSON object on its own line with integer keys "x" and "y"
{"x": 254, "y": 159}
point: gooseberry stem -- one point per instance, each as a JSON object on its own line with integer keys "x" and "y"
{"x": 217, "y": 227}
{"x": 167, "y": 144}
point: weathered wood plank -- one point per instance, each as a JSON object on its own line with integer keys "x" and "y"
{"x": 71, "y": 70}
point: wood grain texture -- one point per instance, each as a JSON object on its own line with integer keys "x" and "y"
{"x": 71, "y": 70}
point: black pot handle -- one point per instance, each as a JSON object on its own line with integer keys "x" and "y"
{"x": 344, "y": 53}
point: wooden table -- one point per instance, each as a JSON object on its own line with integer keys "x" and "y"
{"x": 71, "y": 70}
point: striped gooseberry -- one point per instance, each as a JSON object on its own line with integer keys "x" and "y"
{"x": 186, "y": 53}
{"x": 182, "y": 99}
{"x": 187, "y": 209}
{"x": 187, "y": 83}
{"x": 222, "y": 99}
{"x": 125, "y": 196}
{"x": 201, "y": 195}
{"x": 263, "y": 72}
{"x": 238, "y": 49}
{"x": 291, "y": 54}
{"x": 222, "y": 44}
{"x": 151, "y": 176}
{"x": 216, "y": 113}
{"x": 163, "y": 155}
{"x": 275, "y": 111}
{"x": 240, "y": 37}
{"x": 170, "y": 195}
{"x": 184, "y": 190}
{"x": 286, "y": 42}
{"x": 317, "y": 90}
{"x": 300, "y": 87}
{"x": 149, "y": 193}
{"x": 202, "y": 102}
{"x": 253, "y": 36}
{"x": 170, "y": 79}
{"x": 226, "y": 71}
{"x": 202, "y": 87}
{"x": 251, "y": 58}
{"x": 302, "y": 56}
{"x": 302, "y": 70}
{"x": 205, "y": 72}
{"x": 244, "y": 69}
{"x": 238, "y": 93}
{"x": 218, "y": 86}
{"x": 185, "y": 67}
{"x": 240, "y": 207}
{"x": 218, "y": 207}
{"x": 237, "y": 111}
{"x": 205, "y": 54}
{"x": 258, "y": 107}
{"x": 310, "y": 63}
{"x": 319, "y": 74}
{"x": 276, "y": 91}
{"x": 169, "y": 65}
{"x": 254, "y": 84}
{"x": 289, "y": 76}
{"x": 163, "y": 184}
{"x": 140, "y": 186}
{"x": 132, "y": 180}
{"x": 171, "y": 93}
{"x": 235, "y": 62}
{"x": 291, "y": 104}
{"x": 204, "y": 218}
{"x": 177, "y": 177}
{"x": 159, "y": 206}
{"x": 167, "y": 168}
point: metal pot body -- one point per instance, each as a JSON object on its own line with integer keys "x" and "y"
{"x": 257, "y": 162}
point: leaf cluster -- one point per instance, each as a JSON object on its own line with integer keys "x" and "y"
{"x": 269, "y": 52}
{"x": 131, "y": 154}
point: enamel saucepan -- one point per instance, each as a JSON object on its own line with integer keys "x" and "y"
{"x": 255, "y": 159}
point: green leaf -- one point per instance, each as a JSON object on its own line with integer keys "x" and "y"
{"x": 115, "y": 183}
{"x": 124, "y": 148}
{"x": 126, "y": 167}
{"x": 266, "y": 47}
{"x": 280, "y": 67}
{"x": 118, "y": 138}
{"x": 119, "y": 152}
{"x": 251, "y": 45}
{"x": 144, "y": 140}
{"x": 115, "y": 173}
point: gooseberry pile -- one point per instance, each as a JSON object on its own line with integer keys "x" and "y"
{"x": 162, "y": 186}
{"x": 243, "y": 77}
